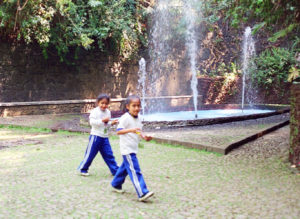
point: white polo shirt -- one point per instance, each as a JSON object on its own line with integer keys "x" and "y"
{"x": 99, "y": 128}
{"x": 129, "y": 142}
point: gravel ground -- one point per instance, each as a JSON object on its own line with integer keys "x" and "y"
{"x": 38, "y": 180}
{"x": 273, "y": 144}
{"x": 220, "y": 135}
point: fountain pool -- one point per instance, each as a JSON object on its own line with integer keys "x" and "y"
{"x": 202, "y": 114}
{"x": 210, "y": 115}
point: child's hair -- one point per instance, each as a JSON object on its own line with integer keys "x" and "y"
{"x": 128, "y": 101}
{"x": 102, "y": 96}
{"x": 130, "y": 98}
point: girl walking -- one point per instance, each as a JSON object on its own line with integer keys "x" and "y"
{"x": 98, "y": 140}
{"x": 130, "y": 131}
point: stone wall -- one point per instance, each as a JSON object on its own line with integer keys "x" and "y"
{"x": 117, "y": 106}
{"x": 45, "y": 107}
{"x": 295, "y": 125}
{"x": 25, "y": 75}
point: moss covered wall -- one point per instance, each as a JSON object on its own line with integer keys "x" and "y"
{"x": 25, "y": 75}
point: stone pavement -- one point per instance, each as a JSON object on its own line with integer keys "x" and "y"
{"x": 38, "y": 180}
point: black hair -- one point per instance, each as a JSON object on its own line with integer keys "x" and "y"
{"x": 102, "y": 96}
{"x": 131, "y": 98}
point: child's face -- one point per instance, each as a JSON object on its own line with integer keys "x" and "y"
{"x": 103, "y": 104}
{"x": 134, "y": 107}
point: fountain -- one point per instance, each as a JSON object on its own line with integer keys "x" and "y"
{"x": 202, "y": 114}
{"x": 174, "y": 40}
{"x": 173, "y": 51}
{"x": 191, "y": 44}
{"x": 247, "y": 65}
{"x": 174, "y": 23}
{"x": 141, "y": 82}
{"x": 161, "y": 57}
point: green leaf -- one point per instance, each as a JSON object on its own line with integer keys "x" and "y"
{"x": 293, "y": 74}
{"x": 95, "y": 3}
{"x": 257, "y": 27}
{"x": 282, "y": 33}
{"x": 86, "y": 41}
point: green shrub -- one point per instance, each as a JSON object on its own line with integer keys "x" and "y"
{"x": 272, "y": 68}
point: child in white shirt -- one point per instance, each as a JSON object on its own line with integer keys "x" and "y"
{"x": 129, "y": 129}
{"x": 98, "y": 140}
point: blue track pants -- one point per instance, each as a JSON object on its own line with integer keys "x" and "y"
{"x": 130, "y": 166}
{"x": 102, "y": 145}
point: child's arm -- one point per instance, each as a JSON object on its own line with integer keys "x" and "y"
{"x": 136, "y": 131}
{"x": 125, "y": 131}
{"x": 107, "y": 121}
{"x": 95, "y": 120}
{"x": 113, "y": 122}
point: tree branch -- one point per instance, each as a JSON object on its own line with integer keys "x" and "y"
{"x": 18, "y": 10}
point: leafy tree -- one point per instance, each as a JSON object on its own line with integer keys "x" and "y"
{"x": 110, "y": 25}
{"x": 267, "y": 13}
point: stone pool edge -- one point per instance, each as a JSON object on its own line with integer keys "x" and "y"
{"x": 228, "y": 148}
{"x": 210, "y": 121}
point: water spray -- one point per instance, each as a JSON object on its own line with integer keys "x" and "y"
{"x": 248, "y": 53}
{"x": 192, "y": 47}
{"x": 141, "y": 82}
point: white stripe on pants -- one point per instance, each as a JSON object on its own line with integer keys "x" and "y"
{"x": 87, "y": 152}
{"x": 134, "y": 176}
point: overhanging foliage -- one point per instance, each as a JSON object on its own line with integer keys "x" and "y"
{"x": 110, "y": 25}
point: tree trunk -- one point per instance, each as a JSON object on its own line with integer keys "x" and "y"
{"x": 294, "y": 155}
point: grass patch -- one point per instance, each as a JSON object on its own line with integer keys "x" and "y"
{"x": 263, "y": 126}
{"x": 66, "y": 132}
{"x": 38, "y": 130}
{"x": 24, "y": 128}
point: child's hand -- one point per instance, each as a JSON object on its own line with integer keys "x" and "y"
{"x": 105, "y": 120}
{"x": 114, "y": 122}
{"x": 136, "y": 131}
{"x": 147, "y": 138}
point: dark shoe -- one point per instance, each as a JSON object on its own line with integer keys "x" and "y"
{"x": 83, "y": 173}
{"x": 114, "y": 189}
{"x": 146, "y": 196}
